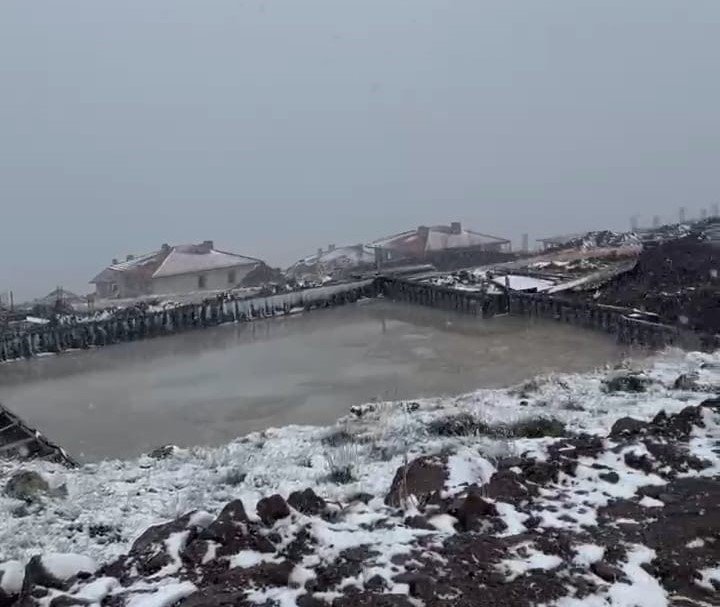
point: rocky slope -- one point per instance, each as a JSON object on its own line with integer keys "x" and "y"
{"x": 516, "y": 498}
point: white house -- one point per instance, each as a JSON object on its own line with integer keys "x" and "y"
{"x": 175, "y": 269}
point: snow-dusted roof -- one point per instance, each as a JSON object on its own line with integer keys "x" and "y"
{"x": 185, "y": 259}
{"x": 138, "y": 260}
{"x": 439, "y": 238}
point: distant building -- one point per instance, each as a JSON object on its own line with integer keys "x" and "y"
{"x": 60, "y": 296}
{"x": 425, "y": 241}
{"x": 174, "y": 269}
{"x": 334, "y": 262}
{"x": 552, "y": 242}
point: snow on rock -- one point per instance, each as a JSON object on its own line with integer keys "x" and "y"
{"x": 12, "y": 574}
{"x": 587, "y": 554}
{"x": 555, "y": 509}
{"x": 64, "y": 566}
{"x": 164, "y": 597}
{"x": 527, "y": 558}
{"x": 466, "y": 468}
{"x": 710, "y": 578}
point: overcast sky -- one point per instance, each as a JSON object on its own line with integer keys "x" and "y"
{"x": 277, "y": 126}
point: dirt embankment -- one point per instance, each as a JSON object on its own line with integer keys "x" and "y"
{"x": 677, "y": 280}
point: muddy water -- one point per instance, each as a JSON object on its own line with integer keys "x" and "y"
{"x": 212, "y": 385}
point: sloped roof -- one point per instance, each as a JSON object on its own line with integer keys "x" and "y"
{"x": 347, "y": 256}
{"x": 439, "y": 238}
{"x": 147, "y": 262}
{"x": 184, "y": 259}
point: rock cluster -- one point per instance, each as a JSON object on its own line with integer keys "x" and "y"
{"x": 635, "y": 511}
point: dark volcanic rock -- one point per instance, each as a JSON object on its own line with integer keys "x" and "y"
{"x": 606, "y": 572}
{"x": 687, "y": 381}
{"x": 610, "y": 477}
{"x": 232, "y": 531}
{"x": 37, "y": 575}
{"x": 630, "y": 382}
{"x": 473, "y": 511}
{"x": 306, "y": 502}
{"x": 626, "y": 427}
{"x": 350, "y": 563}
{"x": 678, "y": 426}
{"x": 7, "y": 600}
{"x": 421, "y": 478}
{"x": 690, "y": 514}
{"x": 418, "y": 522}
{"x": 149, "y": 552}
{"x": 507, "y": 486}
{"x": 369, "y": 599}
{"x": 420, "y": 586}
{"x": 271, "y": 509}
{"x": 26, "y": 485}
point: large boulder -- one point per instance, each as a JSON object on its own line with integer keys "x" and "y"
{"x": 29, "y": 486}
{"x": 473, "y": 511}
{"x": 161, "y": 545}
{"x": 57, "y": 570}
{"x": 271, "y": 509}
{"x": 12, "y": 576}
{"x": 626, "y": 427}
{"x": 422, "y": 477}
{"x": 307, "y": 502}
{"x": 231, "y": 532}
{"x": 626, "y": 382}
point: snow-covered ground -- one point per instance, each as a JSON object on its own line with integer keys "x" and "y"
{"x": 128, "y": 496}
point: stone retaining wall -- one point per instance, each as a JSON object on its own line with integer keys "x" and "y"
{"x": 609, "y": 319}
{"x": 134, "y": 324}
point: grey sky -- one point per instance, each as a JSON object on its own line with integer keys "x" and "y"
{"x": 277, "y": 126}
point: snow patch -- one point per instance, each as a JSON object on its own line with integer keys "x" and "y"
{"x": 64, "y": 566}
{"x": 12, "y": 576}
{"x": 164, "y": 597}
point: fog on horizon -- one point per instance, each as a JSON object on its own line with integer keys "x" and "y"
{"x": 274, "y": 127}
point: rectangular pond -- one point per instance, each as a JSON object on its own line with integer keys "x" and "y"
{"x": 212, "y": 385}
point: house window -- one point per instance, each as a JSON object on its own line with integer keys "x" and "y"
{"x": 231, "y": 277}
{"x": 202, "y": 282}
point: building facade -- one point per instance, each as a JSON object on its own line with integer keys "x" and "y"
{"x": 173, "y": 270}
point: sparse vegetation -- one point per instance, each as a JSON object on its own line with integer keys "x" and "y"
{"x": 342, "y": 461}
{"x": 465, "y": 424}
{"x": 537, "y": 427}
{"x": 462, "y": 424}
{"x": 337, "y": 438}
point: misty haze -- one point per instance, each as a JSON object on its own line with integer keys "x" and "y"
{"x": 359, "y": 304}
